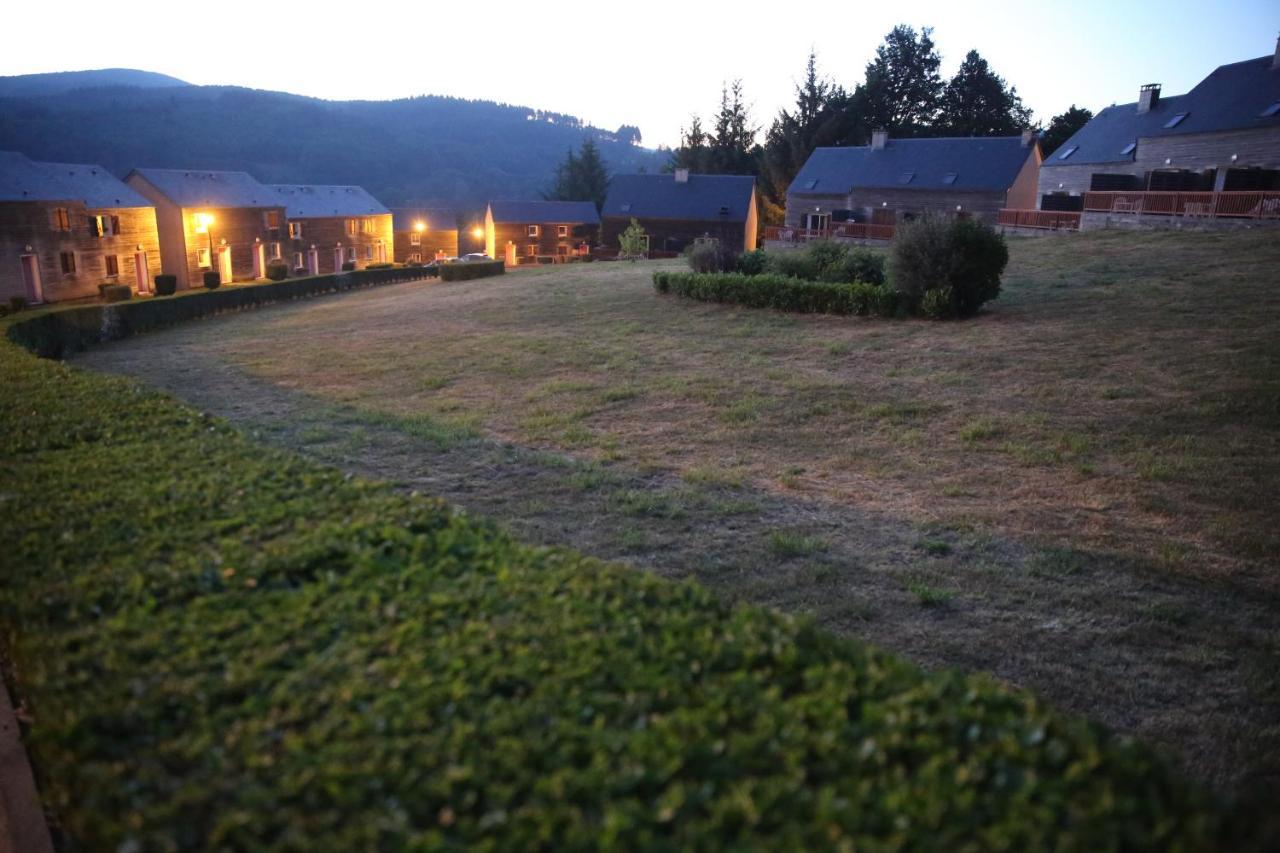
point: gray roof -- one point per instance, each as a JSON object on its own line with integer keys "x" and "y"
{"x": 314, "y": 201}
{"x": 660, "y": 197}
{"x": 24, "y": 179}
{"x": 197, "y": 188}
{"x": 567, "y": 212}
{"x": 960, "y": 164}
{"x": 1233, "y": 97}
{"x": 435, "y": 218}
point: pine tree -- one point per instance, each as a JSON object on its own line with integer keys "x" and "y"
{"x": 977, "y": 102}
{"x": 903, "y": 90}
{"x": 581, "y": 176}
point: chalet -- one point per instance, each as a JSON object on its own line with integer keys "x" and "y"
{"x": 1222, "y": 137}
{"x": 534, "y": 231}
{"x": 224, "y": 221}
{"x": 67, "y": 228}
{"x": 863, "y": 191}
{"x": 677, "y": 209}
{"x": 424, "y": 234}
{"x": 343, "y": 226}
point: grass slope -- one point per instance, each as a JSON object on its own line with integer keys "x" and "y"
{"x": 223, "y": 645}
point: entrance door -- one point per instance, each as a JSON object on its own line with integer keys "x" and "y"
{"x": 224, "y": 264}
{"x": 337, "y": 260}
{"x": 382, "y": 252}
{"x": 313, "y": 262}
{"x": 817, "y": 221}
{"x": 259, "y": 261}
{"x": 31, "y": 279}
{"x": 142, "y": 275}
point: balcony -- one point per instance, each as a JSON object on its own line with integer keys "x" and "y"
{"x": 835, "y": 231}
{"x": 1045, "y": 220}
{"x": 1192, "y": 205}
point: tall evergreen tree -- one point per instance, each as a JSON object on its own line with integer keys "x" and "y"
{"x": 729, "y": 148}
{"x": 977, "y": 102}
{"x": 581, "y": 177}
{"x": 1062, "y": 127}
{"x": 903, "y": 89}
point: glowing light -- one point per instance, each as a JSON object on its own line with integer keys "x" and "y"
{"x": 477, "y": 232}
{"x": 203, "y": 221}
{"x": 419, "y": 227}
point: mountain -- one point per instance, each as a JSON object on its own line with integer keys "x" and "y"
{"x": 428, "y": 149}
{"x": 55, "y": 83}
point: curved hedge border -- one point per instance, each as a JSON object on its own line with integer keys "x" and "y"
{"x": 59, "y": 330}
{"x": 226, "y": 646}
{"x": 769, "y": 290}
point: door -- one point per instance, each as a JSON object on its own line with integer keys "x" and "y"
{"x": 817, "y": 221}
{"x": 313, "y": 261}
{"x": 337, "y": 260}
{"x": 259, "y": 261}
{"x": 32, "y": 285}
{"x": 224, "y": 264}
{"x": 142, "y": 275}
{"x": 382, "y": 252}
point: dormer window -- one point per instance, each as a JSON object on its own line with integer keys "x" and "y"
{"x": 532, "y": 231}
{"x": 811, "y": 184}
{"x": 1068, "y": 152}
{"x": 949, "y": 178}
{"x": 626, "y": 208}
{"x": 1175, "y": 121}
{"x": 906, "y": 177}
{"x": 1130, "y": 148}
{"x": 1272, "y": 110}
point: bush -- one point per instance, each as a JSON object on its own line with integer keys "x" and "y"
{"x": 828, "y": 260}
{"x": 167, "y": 285}
{"x": 381, "y": 265}
{"x": 212, "y": 279}
{"x": 116, "y": 293}
{"x": 781, "y": 292}
{"x": 348, "y": 266}
{"x": 17, "y": 303}
{"x": 710, "y": 256}
{"x": 301, "y": 271}
{"x": 466, "y": 270}
{"x": 962, "y": 256}
{"x": 277, "y": 271}
{"x": 938, "y": 304}
{"x": 753, "y": 262}
{"x": 230, "y": 647}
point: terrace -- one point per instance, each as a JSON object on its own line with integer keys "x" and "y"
{"x": 836, "y": 230}
{"x": 1231, "y": 204}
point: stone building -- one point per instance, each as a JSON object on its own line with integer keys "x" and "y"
{"x": 677, "y": 209}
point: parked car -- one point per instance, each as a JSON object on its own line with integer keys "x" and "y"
{"x": 477, "y": 256}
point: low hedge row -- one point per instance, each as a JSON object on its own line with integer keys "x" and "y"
{"x": 224, "y": 646}
{"x": 466, "y": 270}
{"x": 55, "y": 332}
{"x": 782, "y": 292}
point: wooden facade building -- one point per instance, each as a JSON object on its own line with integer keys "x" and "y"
{"x": 533, "y": 231}
{"x": 334, "y": 227}
{"x": 67, "y": 228}
{"x": 679, "y": 208}
{"x": 224, "y": 221}
{"x": 424, "y": 234}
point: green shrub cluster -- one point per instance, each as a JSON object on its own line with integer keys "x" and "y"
{"x": 784, "y": 293}
{"x": 75, "y": 328}
{"x": 466, "y": 270}
{"x": 224, "y": 646}
{"x": 380, "y": 265}
{"x": 962, "y": 260}
{"x": 830, "y": 261}
{"x": 710, "y": 256}
{"x": 348, "y": 266}
{"x": 116, "y": 292}
{"x": 753, "y": 262}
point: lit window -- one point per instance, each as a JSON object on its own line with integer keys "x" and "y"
{"x": 1175, "y": 121}
{"x": 1067, "y": 152}
{"x": 202, "y": 222}
{"x": 105, "y": 226}
{"x": 271, "y": 218}
{"x": 351, "y": 228}
{"x": 562, "y": 230}
{"x": 61, "y": 219}
{"x": 906, "y": 177}
{"x": 415, "y": 258}
{"x": 113, "y": 265}
{"x": 1130, "y": 148}
{"x": 1272, "y": 110}
{"x": 533, "y": 230}
{"x": 949, "y": 178}
{"x": 68, "y": 261}
{"x": 295, "y": 230}
{"x": 531, "y": 250}
{"x": 202, "y": 258}
{"x": 275, "y": 251}
{"x": 368, "y": 253}
{"x": 415, "y": 239}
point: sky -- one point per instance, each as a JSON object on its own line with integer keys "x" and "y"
{"x": 651, "y": 64}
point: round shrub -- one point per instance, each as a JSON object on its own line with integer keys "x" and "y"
{"x": 167, "y": 285}
{"x": 348, "y": 266}
{"x": 711, "y": 257}
{"x": 752, "y": 263}
{"x": 17, "y": 303}
{"x": 961, "y": 255}
{"x": 277, "y": 271}
{"x": 212, "y": 279}
{"x": 855, "y": 264}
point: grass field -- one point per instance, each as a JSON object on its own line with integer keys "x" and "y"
{"x": 1075, "y": 490}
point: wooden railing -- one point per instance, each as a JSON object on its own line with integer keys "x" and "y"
{"x": 848, "y": 230}
{"x": 1051, "y": 220}
{"x": 1245, "y": 205}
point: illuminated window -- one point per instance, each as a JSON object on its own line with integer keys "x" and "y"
{"x": 531, "y": 249}
{"x": 113, "y": 265}
{"x": 271, "y": 218}
{"x": 351, "y": 228}
{"x": 104, "y": 226}
{"x": 366, "y": 226}
{"x": 61, "y": 219}
{"x": 415, "y": 258}
{"x": 275, "y": 251}
{"x": 562, "y": 230}
{"x": 202, "y": 259}
{"x": 533, "y": 230}
{"x": 415, "y": 239}
{"x": 295, "y": 230}
{"x": 368, "y": 253}
{"x": 68, "y": 261}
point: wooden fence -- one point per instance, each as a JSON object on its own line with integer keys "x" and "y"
{"x": 1238, "y": 205}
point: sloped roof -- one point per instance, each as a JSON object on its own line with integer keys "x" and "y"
{"x": 1232, "y": 97}
{"x": 660, "y": 197}
{"x": 948, "y": 163}
{"x": 198, "y": 188}
{"x": 568, "y": 212}
{"x": 435, "y": 218}
{"x": 315, "y": 201}
{"x": 24, "y": 179}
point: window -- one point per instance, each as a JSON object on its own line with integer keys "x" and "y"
{"x": 61, "y": 219}
{"x": 368, "y": 253}
{"x": 562, "y": 249}
{"x": 68, "y": 260}
{"x": 562, "y": 230}
{"x": 949, "y": 178}
{"x": 811, "y": 184}
{"x": 351, "y": 252}
{"x": 907, "y": 177}
{"x": 1130, "y": 148}
{"x": 415, "y": 239}
{"x": 626, "y": 208}
{"x": 202, "y": 258}
{"x": 271, "y": 218}
{"x": 415, "y": 258}
{"x": 275, "y": 251}
{"x": 351, "y": 228}
{"x": 1067, "y": 152}
{"x": 1176, "y": 120}
{"x": 1272, "y": 110}
{"x": 366, "y": 226}
{"x": 531, "y": 250}
{"x": 104, "y": 226}
{"x": 295, "y": 230}
{"x": 297, "y": 260}
{"x": 533, "y": 230}
{"x": 113, "y": 265}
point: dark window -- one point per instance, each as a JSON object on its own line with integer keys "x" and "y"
{"x": 113, "y": 265}
{"x": 68, "y": 260}
{"x": 1068, "y": 152}
{"x": 1176, "y": 120}
{"x": 61, "y": 219}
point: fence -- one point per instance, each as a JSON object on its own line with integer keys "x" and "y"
{"x": 847, "y": 230}
{"x": 1049, "y": 220}
{"x": 1239, "y": 205}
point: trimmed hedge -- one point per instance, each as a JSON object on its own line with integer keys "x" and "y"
{"x": 466, "y": 270}
{"x": 116, "y": 293}
{"x": 224, "y": 646}
{"x": 63, "y": 330}
{"x": 782, "y": 292}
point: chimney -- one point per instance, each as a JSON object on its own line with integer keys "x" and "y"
{"x": 879, "y": 139}
{"x": 1148, "y": 97}
{"x": 1028, "y": 138}
{"x": 682, "y": 176}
